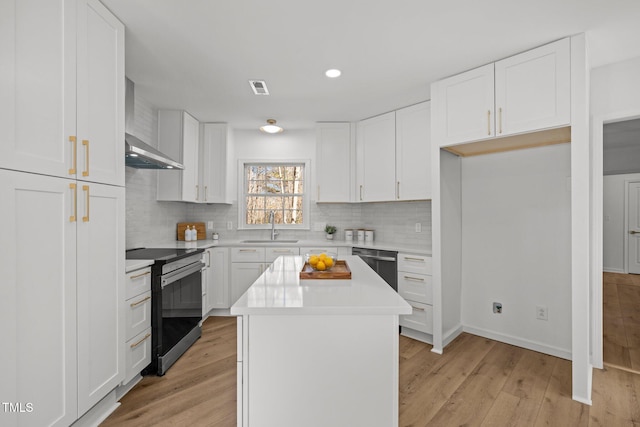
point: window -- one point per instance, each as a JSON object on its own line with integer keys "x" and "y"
{"x": 277, "y": 187}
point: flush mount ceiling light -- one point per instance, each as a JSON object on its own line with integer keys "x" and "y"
{"x": 333, "y": 73}
{"x": 271, "y": 127}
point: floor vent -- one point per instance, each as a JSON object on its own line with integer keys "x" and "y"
{"x": 259, "y": 87}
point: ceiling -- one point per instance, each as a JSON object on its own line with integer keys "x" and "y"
{"x": 198, "y": 55}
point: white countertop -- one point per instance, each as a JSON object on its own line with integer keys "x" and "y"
{"x": 204, "y": 244}
{"x": 279, "y": 290}
{"x": 136, "y": 264}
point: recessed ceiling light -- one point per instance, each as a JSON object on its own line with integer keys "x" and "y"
{"x": 333, "y": 73}
{"x": 271, "y": 127}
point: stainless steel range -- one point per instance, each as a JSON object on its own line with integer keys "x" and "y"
{"x": 176, "y": 302}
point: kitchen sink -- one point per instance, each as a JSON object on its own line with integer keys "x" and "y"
{"x": 269, "y": 241}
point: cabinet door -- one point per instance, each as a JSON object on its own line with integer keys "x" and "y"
{"x": 38, "y": 86}
{"x": 243, "y": 274}
{"x": 101, "y": 266}
{"x": 191, "y": 136}
{"x": 38, "y": 304}
{"x": 413, "y": 152}
{"x": 178, "y": 138}
{"x": 213, "y": 163}
{"x": 334, "y": 162}
{"x": 463, "y": 107}
{"x": 100, "y": 97}
{"x": 533, "y": 89}
{"x": 376, "y": 153}
{"x": 218, "y": 279}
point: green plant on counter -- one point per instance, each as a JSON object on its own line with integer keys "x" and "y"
{"x": 330, "y": 229}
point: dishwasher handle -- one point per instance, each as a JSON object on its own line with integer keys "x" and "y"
{"x": 377, "y": 257}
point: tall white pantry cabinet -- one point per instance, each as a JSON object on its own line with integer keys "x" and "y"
{"x": 62, "y": 191}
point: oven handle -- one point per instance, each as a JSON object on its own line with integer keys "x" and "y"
{"x": 169, "y": 278}
{"x": 377, "y": 257}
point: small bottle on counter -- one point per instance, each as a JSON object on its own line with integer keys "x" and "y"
{"x": 187, "y": 234}
{"x": 194, "y": 233}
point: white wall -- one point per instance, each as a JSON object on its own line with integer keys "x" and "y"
{"x": 614, "y": 192}
{"x": 516, "y": 247}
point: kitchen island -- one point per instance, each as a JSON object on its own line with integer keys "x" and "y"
{"x": 318, "y": 352}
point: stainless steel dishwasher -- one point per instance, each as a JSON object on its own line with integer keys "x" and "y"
{"x": 382, "y": 262}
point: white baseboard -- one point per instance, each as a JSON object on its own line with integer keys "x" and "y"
{"x": 520, "y": 342}
{"x": 451, "y": 335}
{"x": 417, "y": 335}
{"x": 126, "y": 388}
{"x": 613, "y": 270}
{"x": 100, "y": 411}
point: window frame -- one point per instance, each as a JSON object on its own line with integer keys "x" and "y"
{"x": 242, "y": 195}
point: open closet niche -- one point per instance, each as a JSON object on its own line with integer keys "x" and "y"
{"x": 510, "y": 216}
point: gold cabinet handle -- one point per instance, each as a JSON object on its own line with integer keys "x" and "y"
{"x": 73, "y": 140}
{"x": 135, "y": 344}
{"x": 318, "y": 193}
{"x": 408, "y": 258}
{"x": 634, "y": 232}
{"x": 85, "y": 188}
{"x": 206, "y": 190}
{"x": 247, "y": 250}
{"x": 417, "y": 308}
{"x": 135, "y": 304}
{"x": 74, "y": 187}
{"x": 197, "y": 192}
{"x": 139, "y": 275}
{"x": 361, "y": 193}
{"x": 500, "y": 120}
{"x": 488, "y": 122}
{"x": 398, "y": 190}
{"x": 415, "y": 279}
{"x": 85, "y": 143}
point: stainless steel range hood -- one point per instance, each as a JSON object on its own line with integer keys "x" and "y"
{"x": 139, "y": 154}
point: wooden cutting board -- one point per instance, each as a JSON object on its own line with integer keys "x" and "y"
{"x": 339, "y": 271}
{"x": 200, "y": 228}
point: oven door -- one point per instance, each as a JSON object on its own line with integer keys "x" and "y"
{"x": 180, "y": 309}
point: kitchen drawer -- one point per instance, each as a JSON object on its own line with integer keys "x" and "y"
{"x": 138, "y": 354}
{"x": 247, "y": 254}
{"x": 415, "y": 287}
{"x": 413, "y": 263}
{"x": 420, "y": 320}
{"x": 273, "y": 253}
{"x": 138, "y": 282}
{"x": 138, "y": 314}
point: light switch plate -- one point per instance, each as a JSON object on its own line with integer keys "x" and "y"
{"x": 209, "y": 225}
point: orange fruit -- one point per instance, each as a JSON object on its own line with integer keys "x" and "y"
{"x": 320, "y": 266}
{"x": 328, "y": 262}
{"x": 313, "y": 260}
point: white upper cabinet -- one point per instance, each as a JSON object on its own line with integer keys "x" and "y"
{"x": 413, "y": 152}
{"x": 334, "y": 162}
{"x": 178, "y": 138}
{"x": 463, "y": 105}
{"x": 533, "y": 89}
{"x": 524, "y": 93}
{"x": 375, "y": 154}
{"x": 214, "y": 163}
{"x": 61, "y": 90}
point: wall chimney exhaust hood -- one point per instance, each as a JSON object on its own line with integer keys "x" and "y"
{"x": 139, "y": 154}
{"x": 143, "y": 156}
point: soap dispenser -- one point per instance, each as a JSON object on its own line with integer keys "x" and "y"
{"x": 187, "y": 234}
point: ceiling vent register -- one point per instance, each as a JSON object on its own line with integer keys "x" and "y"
{"x": 259, "y": 87}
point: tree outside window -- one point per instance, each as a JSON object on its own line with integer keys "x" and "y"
{"x": 277, "y": 187}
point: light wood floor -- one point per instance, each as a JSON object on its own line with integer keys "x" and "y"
{"x": 621, "y": 320}
{"x": 476, "y": 382}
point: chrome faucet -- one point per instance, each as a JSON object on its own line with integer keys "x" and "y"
{"x": 272, "y": 220}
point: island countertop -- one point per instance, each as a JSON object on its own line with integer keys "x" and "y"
{"x": 279, "y": 290}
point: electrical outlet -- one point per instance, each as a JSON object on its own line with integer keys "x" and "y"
{"x": 542, "y": 312}
{"x": 209, "y": 225}
{"x": 497, "y": 307}
{"x": 418, "y": 227}
{"x": 229, "y": 225}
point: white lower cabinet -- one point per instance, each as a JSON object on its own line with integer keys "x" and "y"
{"x": 137, "y": 309}
{"x": 415, "y": 286}
{"x": 243, "y": 274}
{"x": 216, "y": 279}
{"x": 61, "y": 302}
